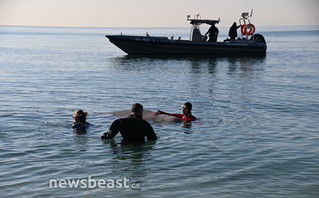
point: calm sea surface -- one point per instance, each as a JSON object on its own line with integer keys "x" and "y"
{"x": 258, "y": 134}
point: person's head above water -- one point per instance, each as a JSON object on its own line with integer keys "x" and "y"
{"x": 79, "y": 116}
{"x": 186, "y": 116}
{"x": 187, "y": 108}
{"x": 137, "y": 110}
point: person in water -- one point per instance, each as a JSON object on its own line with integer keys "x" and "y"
{"x": 233, "y": 31}
{"x": 185, "y": 117}
{"x": 133, "y": 128}
{"x": 213, "y": 33}
{"x": 80, "y": 125}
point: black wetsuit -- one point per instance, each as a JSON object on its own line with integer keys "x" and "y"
{"x": 233, "y": 32}
{"x": 132, "y": 129}
{"x": 213, "y": 33}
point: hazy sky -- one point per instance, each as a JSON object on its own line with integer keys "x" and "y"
{"x": 151, "y": 13}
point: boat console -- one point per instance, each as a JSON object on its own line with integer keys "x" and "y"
{"x": 195, "y": 34}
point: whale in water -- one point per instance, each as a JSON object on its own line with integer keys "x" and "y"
{"x": 149, "y": 115}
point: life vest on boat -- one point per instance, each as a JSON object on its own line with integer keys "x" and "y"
{"x": 250, "y": 27}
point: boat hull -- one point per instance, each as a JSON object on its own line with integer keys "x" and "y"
{"x": 147, "y": 45}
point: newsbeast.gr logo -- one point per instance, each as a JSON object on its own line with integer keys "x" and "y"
{"x": 89, "y": 182}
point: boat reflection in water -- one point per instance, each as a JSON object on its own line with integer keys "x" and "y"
{"x": 246, "y": 65}
{"x": 248, "y": 43}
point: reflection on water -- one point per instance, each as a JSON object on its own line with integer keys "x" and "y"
{"x": 247, "y": 65}
{"x": 195, "y": 63}
{"x": 130, "y": 159}
{"x": 81, "y": 142}
{"x": 80, "y": 131}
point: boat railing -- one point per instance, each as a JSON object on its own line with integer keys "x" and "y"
{"x": 246, "y": 25}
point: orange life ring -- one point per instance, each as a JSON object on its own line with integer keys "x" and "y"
{"x": 249, "y": 26}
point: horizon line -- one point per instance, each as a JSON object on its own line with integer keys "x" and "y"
{"x": 54, "y": 26}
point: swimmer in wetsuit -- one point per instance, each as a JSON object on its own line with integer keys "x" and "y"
{"x": 185, "y": 117}
{"x": 80, "y": 125}
{"x": 133, "y": 128}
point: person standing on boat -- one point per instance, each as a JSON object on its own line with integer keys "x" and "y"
{"x": 213, "y": 33}
{"x": 233, "y": 31}
{"x": 133, "y": 128}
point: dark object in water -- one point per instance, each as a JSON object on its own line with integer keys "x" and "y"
{"x": 196, "y": 45}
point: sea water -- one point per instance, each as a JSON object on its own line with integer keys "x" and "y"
{"x": 257, "y": 134}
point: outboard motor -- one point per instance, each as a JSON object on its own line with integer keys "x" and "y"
{"x": 259, "y": 38}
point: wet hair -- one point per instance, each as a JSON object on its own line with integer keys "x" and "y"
{"x": 137, "y": 107}
{"x": 80, "y": 115}
{"x": 188, "y": 106}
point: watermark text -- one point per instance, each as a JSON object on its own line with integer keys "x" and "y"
{"x": 89, "y": 182}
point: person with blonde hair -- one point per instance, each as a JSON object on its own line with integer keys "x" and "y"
{"x": 80, "y": 125}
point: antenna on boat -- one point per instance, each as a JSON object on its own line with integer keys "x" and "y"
{"x": 251, "y": 13}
